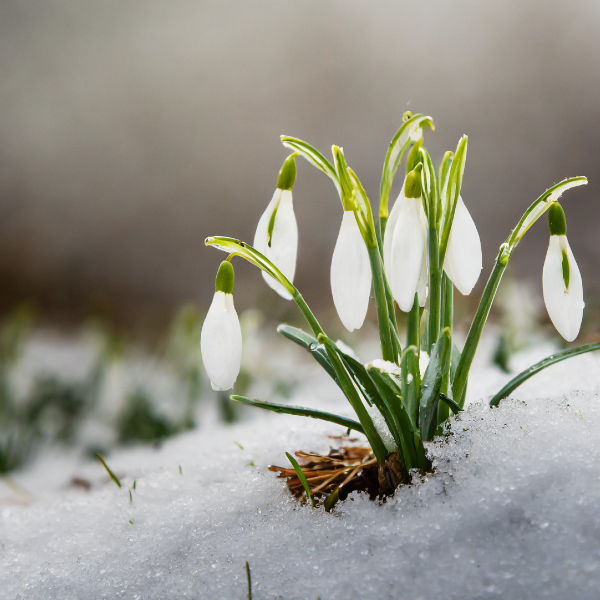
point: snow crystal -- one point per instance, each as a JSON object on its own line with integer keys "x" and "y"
{"x": 511, "y": 510}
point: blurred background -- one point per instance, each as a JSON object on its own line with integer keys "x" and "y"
{"x": 130, "y": 131}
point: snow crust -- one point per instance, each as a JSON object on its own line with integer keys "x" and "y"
{"x": 510, "y": 512}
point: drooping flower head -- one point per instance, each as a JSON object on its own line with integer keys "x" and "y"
{"x": 277, "y": 230}
{"x": 221, "y": 337}
{"x": 350, "y": 265}
{"x": 407, "y": 255}
{"x": 463, "y": 261}
{"x": 562, "y": 285}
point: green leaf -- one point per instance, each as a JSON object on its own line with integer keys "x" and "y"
{"x": 372, "y": 395}
{"x": 332, "y": 499}
{"x": 439, "y": 363}
{"x": 110, "y": 473}
{"x": 411, "y": 383}
{"x": 455, "y": 408}
{"x": 390, "y": 393}
{"x": 514, "y": 383}
{"x": 351, "y": 394}
{"x": 301, "y": 411}
{"x": 408, "y": 132}
{"x": 301, "y": 476}
{"x": 309, "y": 343}
{"x": 313, "y": 156}
{"x": 452, "y": 192}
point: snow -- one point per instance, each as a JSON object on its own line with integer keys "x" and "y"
{"x": 511, "y": 510}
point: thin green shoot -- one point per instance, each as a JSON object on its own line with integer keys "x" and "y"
{"x": 110, "y": 473}
{"x": 302, "y": 478}
{"x": 249, "y": 581}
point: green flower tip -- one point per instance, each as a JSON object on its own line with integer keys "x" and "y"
{"x": 413, "y": 158}
{"x": 557, "y": 223}
{"x": 412, "y": 185}
{"x": 225, "y": 278}
{"x": 287, "y": 174}
{"x": 406, "y": 116}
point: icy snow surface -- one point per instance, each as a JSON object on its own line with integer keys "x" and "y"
{"x": 512, "y": 511}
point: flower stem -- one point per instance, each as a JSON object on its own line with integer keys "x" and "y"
{"x": 308, "y": 315}
{"x": 483, "y": 310}
{"x": 381, "y": 302}
{"x": 447, "y": 316}
{"x": 435, "y": 289}
{"x": 413, "y": 334}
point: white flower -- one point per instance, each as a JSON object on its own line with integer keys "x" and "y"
{"x": 563, "y": 288}
{"x": 350, "y": 274}
{"x": 277, "y": 238}
{"x": 221, "y": 337}
{"x": 407, "y": 258}
{"x": 463, "y": 259}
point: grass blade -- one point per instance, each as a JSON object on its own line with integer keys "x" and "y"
{"x": 302, "y": 412}
{"x": 432, "y": 382}
{"x": 514, "y": 383}
{"x": 249, "y": 581}
{"x": 111, "y": 474}
{"x": 302, "y": 477}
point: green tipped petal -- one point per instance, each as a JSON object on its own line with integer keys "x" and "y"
{"x": 225, "y": 278}
{"x": 287, "y": 174}
{"x": 412, "y": 186}
{"x": 557, "y": 223}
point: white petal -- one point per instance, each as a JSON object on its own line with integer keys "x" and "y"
{"x": 283, "y": 249}
{"x": 350, "y": 274}
{"x": 408, "y": 246}
{"x": 389, "y": 234}
{"x": 463, "y": 260}
{"x": 565, "y": 307}
{"x": 221, "y": 342}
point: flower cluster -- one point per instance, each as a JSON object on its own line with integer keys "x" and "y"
{"x": 412, "y": 257}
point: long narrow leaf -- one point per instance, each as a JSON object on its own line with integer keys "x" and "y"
{"x": 301, "y": 477}
{"x": 351, "y": 394}
{"x": 439, "y": 363}
{"x": 514, "y": 383}
{"x": 309, "y": 343}
{"x": 390, "y": 392}
{"x": 411, "y": 383}
{"x": 301, "y": 412}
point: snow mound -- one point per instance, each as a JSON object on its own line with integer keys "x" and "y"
{"x": 510, "y": 512}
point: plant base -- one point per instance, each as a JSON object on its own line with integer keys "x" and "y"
{"x": 344, "y": 470}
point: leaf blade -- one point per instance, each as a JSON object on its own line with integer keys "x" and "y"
{"x": 302, "y": 412}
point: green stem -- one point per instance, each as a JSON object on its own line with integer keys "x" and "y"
{"x": 413, "y": 334}
{"x": 447, "y": 317}
{"x": 514, "y": 383}
{"x": 308, "y": 315}
{"x": 435, "y": 289}
{"x": 483, "y": 310}
{"x": 351, "y": 394}
{"x": 381, "y": 302}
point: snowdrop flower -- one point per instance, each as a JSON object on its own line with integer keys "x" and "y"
{"x": 221, "y": 337}
{"x": 407, "y": 255}
{"x": 463, "y": 261}
{"x": 351, "y": 274}
{"x": 563, "y": 289}
{"x": 277, "y": 230}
